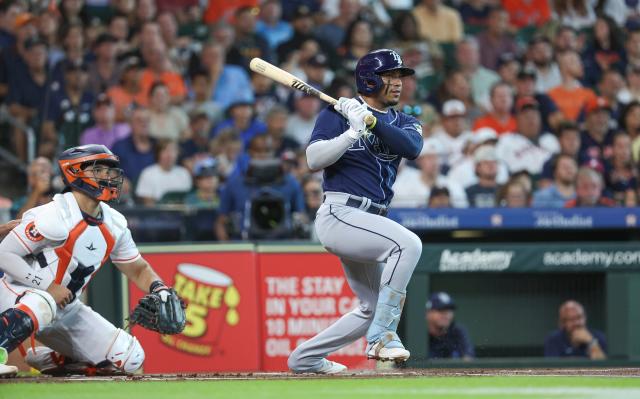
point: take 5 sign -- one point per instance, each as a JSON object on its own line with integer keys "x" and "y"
{"x": 301, "y": 295}
{"x": 219, "y": 289}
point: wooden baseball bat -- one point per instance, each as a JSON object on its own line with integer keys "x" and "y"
{"x": 283, "y": 77}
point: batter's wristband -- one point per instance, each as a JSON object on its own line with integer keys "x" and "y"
{"x": 371, "y": 126}
{"x": 157, "y": 285}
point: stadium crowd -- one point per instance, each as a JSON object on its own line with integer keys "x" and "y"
{"x": 523, "y": 102}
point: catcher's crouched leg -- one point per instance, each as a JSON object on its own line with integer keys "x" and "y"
{"x": 35, "y": 310}
{"x": 126, "y": 353}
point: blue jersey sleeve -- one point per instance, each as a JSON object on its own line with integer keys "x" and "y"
{"x": 404, "y": 139}
{"x": 329, "y": 124}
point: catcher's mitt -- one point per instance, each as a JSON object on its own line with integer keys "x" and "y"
{"x": 161, "y": 310}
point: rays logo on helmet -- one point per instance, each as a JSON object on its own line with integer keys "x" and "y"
{"x": 396, "y": 57}
{"x": 32, "y": 233}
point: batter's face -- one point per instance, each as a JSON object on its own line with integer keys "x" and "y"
{"x": 389, "y": 95}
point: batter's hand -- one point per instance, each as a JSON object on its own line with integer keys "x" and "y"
{"x": 356, "y": 115}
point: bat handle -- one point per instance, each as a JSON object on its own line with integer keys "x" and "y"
{"x": 369, "y": 120}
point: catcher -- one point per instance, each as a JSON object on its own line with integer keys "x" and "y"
{"x": 50, "y": 257}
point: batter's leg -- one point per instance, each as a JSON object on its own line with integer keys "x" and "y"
{"x": 364, "y": 280}
{"x": 354, "y": 234}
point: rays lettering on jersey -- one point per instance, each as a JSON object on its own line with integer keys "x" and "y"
{"x": 374, "y": 146}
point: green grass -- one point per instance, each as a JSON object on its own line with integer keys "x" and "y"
{"x": 375, "y": 388}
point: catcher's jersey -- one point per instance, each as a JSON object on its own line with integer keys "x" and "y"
{"x": 66, "y": 246}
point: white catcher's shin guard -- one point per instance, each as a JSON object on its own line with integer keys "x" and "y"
{"x": 6, "y": 371}
{"x": 383, "y": 341}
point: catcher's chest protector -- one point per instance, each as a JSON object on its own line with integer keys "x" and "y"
{"x": 88, "y": 245}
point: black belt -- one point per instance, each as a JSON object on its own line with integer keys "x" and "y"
{"x": 373, "y": 207}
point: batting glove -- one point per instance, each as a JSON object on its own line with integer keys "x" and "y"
{"x": 356, "y": 116}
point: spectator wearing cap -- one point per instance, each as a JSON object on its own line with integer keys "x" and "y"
{"x": 163, "y": 177}
{"x": 271, "y": 26}
{"x": 413, "y": 186}
{"x": 573, "y": 338}
{"x": 570, "y": 96}
{"x": 105, "y": 131}
{"x": 27, "y": 88}
{"x": 241, "y": 121}
{"x": 137, "y": 151}
{"x": 200, "y": 97}
{"x": 508, "y": 67}
{"x": 438, "y": 22}
{"x": 569, "y": 139}
{"x": 528, "y": 147}
{"x": 597, "y": 136}
{"x": 542, "y": 61}
{"x": 13, "y": 59}
{"x": 464, "y": 172}
{"x": 447, "y": 338}
{"x": 481, "y": 79}
{"x": 528, "y": 13}
{"x": 229, "y": 83}
{"x": 301, "y": 123}
{"x": 620, "y": 172}
{"x": 303, "y": 26}
{"x": 198, "y": 146}
{"x": 563, "y": 188}
{"x": 589, "y": 186}
{"x": 496, "y": 40}
{"x": 526, "y": 87}
{"x": 316, "y": 72}
{"x": 248, "y": 43}
{"x": 453, "y": 135}
{"x": 167, "y": 121}
{"x": 276, "y": 121}
{"x": 439, "y": 198}
{"x": 334, "y": 31}
{"x": 104, "y": 71}
{"x": 206, "y": 181}
{"x": 483, "y": 193}
{"x": 499, "y": 118}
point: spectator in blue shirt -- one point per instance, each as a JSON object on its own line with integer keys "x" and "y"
{"x": 240, "y": 190}
{"x": 271, "y": 26}
{"x": 574, "y": 338}
{"x": 137, "y": 151}
{"x": 242, "y": 121}
{"x": 447, "y": 339}
{"x": 563, "y": 187}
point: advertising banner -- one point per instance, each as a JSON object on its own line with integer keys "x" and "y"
{"x": 220, "y": 291}
{"x": 530, "y": 257}
{"x": 302, "y": 294}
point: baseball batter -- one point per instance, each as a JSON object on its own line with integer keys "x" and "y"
{"x": 378, "y": 255}
{"x": 50, "y": 257}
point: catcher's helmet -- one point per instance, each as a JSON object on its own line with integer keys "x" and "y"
{"x": 101, "y": 184}
{"x": 370, "y": 67}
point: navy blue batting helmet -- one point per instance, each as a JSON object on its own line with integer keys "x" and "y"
{"x": 370, "y": 67}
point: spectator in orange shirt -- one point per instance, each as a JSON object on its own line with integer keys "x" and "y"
{"x": 571, "y": 97}
{"x": 160, "y": 69}
{"x": 524, "y": 13}
{"x": 128, "y": 92}
{"x": 500, "y": 118}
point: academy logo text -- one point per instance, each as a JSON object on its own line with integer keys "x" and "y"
{"x": 579, "y": 257}
{"x": 475, "y": 261}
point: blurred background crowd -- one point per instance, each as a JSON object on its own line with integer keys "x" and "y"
{"x": 524, "y": 103}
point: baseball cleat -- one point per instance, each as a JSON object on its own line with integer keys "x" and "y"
{"x": 378, "y": 351}
{"x": 330, "y": 367}
{"x": 6, "y": 371}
